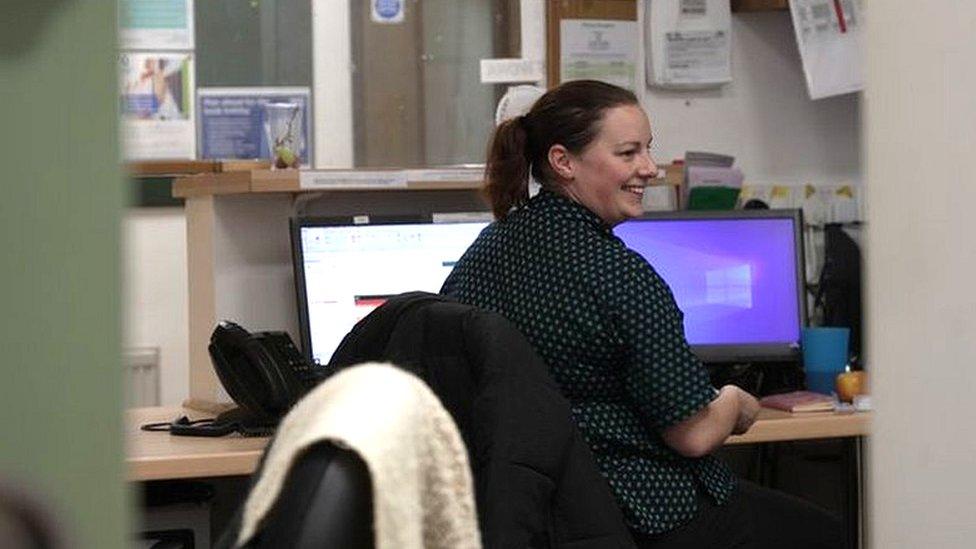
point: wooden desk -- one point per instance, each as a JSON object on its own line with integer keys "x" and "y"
{"x": 159, "y": 456}
{"x": 777, "y": 426}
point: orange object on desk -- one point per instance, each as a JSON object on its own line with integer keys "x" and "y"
{"x": 851, "y": 384}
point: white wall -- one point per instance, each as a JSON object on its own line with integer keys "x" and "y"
{"x": 155, "y": 298}
{"x": 921, "y": 261}
{"x": 764, "y": 118}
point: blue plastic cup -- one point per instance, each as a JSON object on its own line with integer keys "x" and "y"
{"x": 824, "y": 356}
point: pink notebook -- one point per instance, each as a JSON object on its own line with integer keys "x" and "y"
{"x": 799, "y": 401}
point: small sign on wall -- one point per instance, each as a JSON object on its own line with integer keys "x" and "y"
{"x": 502, "y": 71}
{"x": 386, "y": 11}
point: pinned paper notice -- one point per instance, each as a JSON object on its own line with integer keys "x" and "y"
{"x": 828, "y": 33}
{"x": 158, "y": 117}
{"x": 600, "y": 50}
{"x": 688, "y": 43}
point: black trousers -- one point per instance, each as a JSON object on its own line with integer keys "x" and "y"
{"x": 755, "y": 517}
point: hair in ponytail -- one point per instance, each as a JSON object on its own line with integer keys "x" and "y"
{"x": 568, "y": 115}
{"x": 507, "y": 168}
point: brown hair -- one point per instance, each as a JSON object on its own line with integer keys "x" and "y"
{"x": 568, "y": 115}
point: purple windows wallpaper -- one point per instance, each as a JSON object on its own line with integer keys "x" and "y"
{"x": 734, "y": 279}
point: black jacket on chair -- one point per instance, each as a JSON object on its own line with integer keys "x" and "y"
{"x": 536, "y": 482}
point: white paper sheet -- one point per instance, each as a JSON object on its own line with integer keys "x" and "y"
{"x": 688, "y": 43}
{"x": 600, "y": 50}
{"x": 829, "y": 36}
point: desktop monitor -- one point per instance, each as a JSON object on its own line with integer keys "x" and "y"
{"x": 736, "y": 275}
{"x": 346, "y": 267}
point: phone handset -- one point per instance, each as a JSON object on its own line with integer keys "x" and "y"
{"x": 259, "y": 371}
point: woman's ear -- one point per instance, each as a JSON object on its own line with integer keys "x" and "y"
{"x": 561, "y": 162}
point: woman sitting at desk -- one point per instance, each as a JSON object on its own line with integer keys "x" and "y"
{"x": 610, "y": 330}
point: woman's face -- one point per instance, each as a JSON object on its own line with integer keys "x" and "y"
{"x": 609, "y": 175}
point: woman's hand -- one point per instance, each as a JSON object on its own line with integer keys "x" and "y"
{"x": 732, "y": 411}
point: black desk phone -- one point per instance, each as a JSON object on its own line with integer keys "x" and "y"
{"x": 263, "y": 372}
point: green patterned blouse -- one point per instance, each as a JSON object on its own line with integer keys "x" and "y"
{"x": 612, "y": 334}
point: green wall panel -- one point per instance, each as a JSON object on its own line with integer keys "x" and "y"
{"x": 62, "y": 195}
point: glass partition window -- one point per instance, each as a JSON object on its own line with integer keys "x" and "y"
{"x": 414, "y": 81}
{"x": 251, "y": 43}
{"x": 417, "y": 95}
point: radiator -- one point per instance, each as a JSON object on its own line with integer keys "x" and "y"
{"x": 141, "y": 366}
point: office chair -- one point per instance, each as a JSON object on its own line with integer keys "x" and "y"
{"x": 536, "y": 481}
{"x": 310, "y": 491}
{"x": 326, "y": 502}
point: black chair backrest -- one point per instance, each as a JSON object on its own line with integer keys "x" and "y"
{"x": 326, "y": 501}
{"x": 536, "y": 480}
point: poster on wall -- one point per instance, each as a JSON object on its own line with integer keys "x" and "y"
{"x": 231, "y": 121}
{"x": 600, "y": 50}
{"x": 156, "y": 24}
{"x": 828, "y": 33}
{"x": 156, "y": 105}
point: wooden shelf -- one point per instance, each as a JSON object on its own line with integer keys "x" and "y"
{"x": 157, "y": 168}
{"x": 288, "y": 181}
{"x": 163, "y": 168}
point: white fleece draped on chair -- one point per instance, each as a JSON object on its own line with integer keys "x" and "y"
{"x": 422, "y": 489}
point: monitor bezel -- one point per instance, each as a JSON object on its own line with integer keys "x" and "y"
{"x": 296, "y": 224}
{"x": 785, "y": 351}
